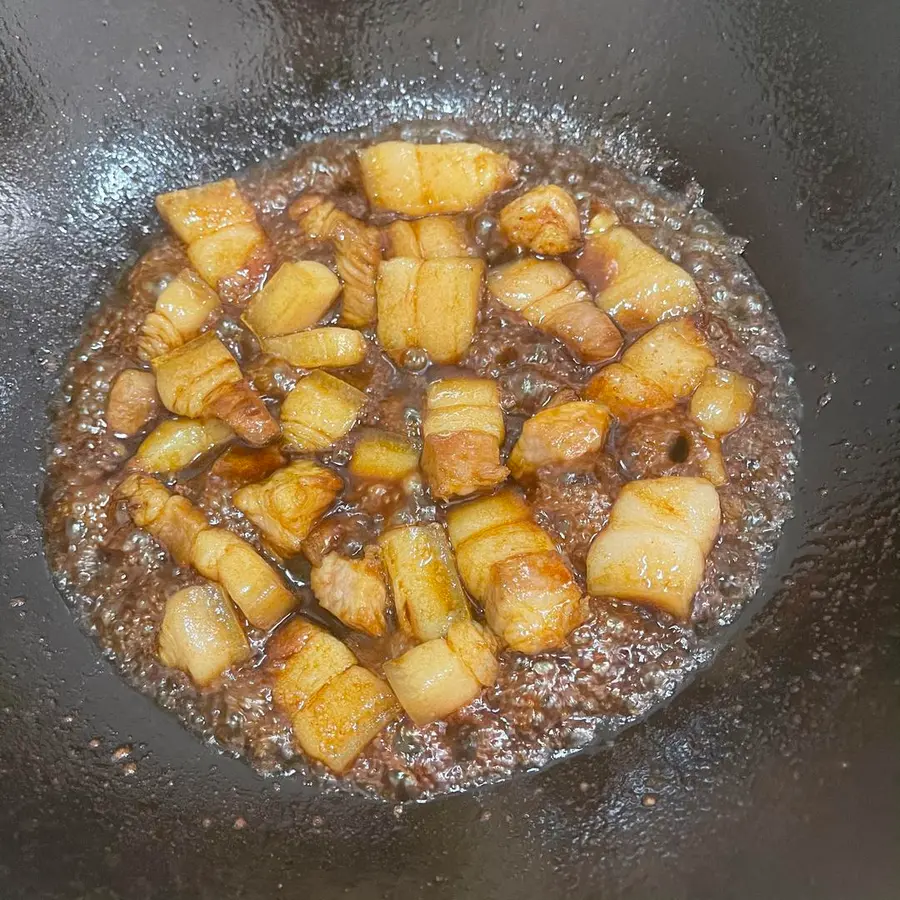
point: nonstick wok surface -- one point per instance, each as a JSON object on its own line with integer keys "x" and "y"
{"x": 778, "y": 772}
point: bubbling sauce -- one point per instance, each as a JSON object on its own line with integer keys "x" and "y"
{"x": 623, "y": 662}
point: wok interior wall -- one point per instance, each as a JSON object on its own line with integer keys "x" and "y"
{"x": 779, "y": 767}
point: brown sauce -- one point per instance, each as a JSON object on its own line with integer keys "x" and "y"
{"x": 622, "y": 663}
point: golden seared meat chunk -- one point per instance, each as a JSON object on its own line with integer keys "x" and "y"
{"x": 626, "y": 393}
{"x": 430, "y": 305}
{"x": 353, "y": 590}
{"x": 661, "y": 367}
{"x": 132, "y": 402}
{"x": 543, "y": 220}
{"x": 170, "y": 518}
{"x": 202, "y": 378}
{"x": 383, "y": 456}
{"x": 219, "y": 226}
{"x": 286, "y": 505}
{"x": 335, "y": 706}
{"x": 320, "y": 410}
{"x": 673, "y": 355}
{"x": 303, "y": 658}
{"x": 197, "y": 212}
{"x": 488, "y": 530}
{"x": 511, "y": 566}
{"x": 442, "y": 675}
{"x": 723, "y": 401}
{"x": 344, "y": 717}
{"x": 560, "y": 434}
{"x": 680, "y": 505}
{"x": 428, "y": 596}
{"x": 477, "y": 647}
{"x": 251, "y": 582}
{"x": 319, "y": 348}
{"x": 227, "y": 252}
{"x": 357, "y": 248}
{"x": 636, "y": 284}
{"x": 533, "y": 602}
{"x": 201, "y": 634}
{"x": 549, "y": 296}
{"x": 294, "y": 298}
{"x": 176, "y": 443}
{"x": 463, "y": 430}
{"x": 241, "y": 465}
{"x": 182, "y": 309}
{"x": 429, "y": 179}
{"x": 436, "y": 237}
{"x": 653, "y": 549}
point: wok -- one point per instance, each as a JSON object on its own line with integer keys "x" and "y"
{"x": 777, "y": 773}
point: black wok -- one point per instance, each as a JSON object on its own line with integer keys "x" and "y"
{"x": 777, "y": 773}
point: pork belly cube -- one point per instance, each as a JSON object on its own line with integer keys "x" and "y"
{"x": 461, "y": 464}
{"x": 218, "y": 255}
{"x": 660, "y": 367}
{"x": 132, "y": 402}
{"x": 357, "y": 249}
{"x": 723, "y": 401}
{"x": 177, "y": 443}
{"x": 544, "y": 220}
{"x": 560, "y": 434}
{"x": 647, "y": 566}
{"x": 548, "y": 295}
{"x": 319, "y": 348}
{"x": 201, "y": 634}
{"x": 524, "y": 282}
{"x": 382, "y": 456}
{"x": 290, "y": 637}
{"x": 170, "y": 518}
{"x": 197, "y": 212}
{"x": 589, "y": 333}
{"x": 428, "y": 304}
{"x": 398, "y": 328}
{"x": 294, "y": 298}
{"x": 344, "y": 717}
{"x": 626, "y": 393}
{"x": 320, "y": 410}
{"x": 680, "y": 505}
{"x": 476, "y": 557}
{"x": 180, "y": 314}
{"x": 431, "y": 681}
{"x": 286, "y": 505}
{"x": 318, "y": 658}
{"x": 463, "y": 429}
{"x": 427, "y": 179}
{"x": 642, "y": 287}
{"x": 463, "y": 404}
{"x": 353, "y": 590}
{"x": 428, "y": 596}
{"x": 468, "y": 520}
{"x": 436, "y": 237}
{"x": 202, "y": 378}
{"x": 254, "y": 586}
{"x": 653, "y": 549}
{"x": 489, "y": 531}
{"x": 533, "y": 603}
{"x": 672, "y": 355}
{"x": 477, "y": 647}
{"x": 241, "y": 465}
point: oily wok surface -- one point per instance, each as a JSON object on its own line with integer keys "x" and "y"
{"x": 776, "y": 773}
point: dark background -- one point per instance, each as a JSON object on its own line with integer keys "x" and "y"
{"x": 777, "y": 774}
